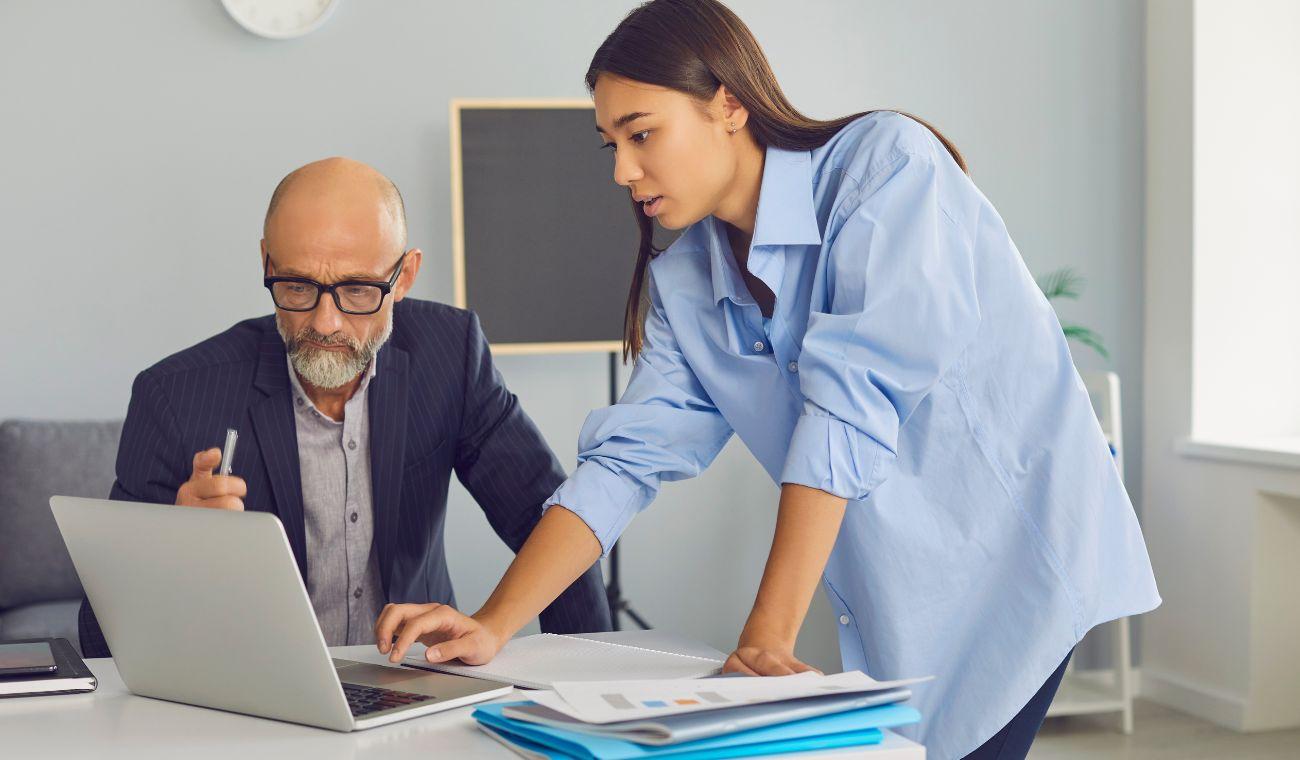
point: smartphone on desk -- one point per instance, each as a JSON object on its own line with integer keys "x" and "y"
{"x": 26, "y": 659}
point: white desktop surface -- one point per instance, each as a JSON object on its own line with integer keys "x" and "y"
{"x": 110, "y": 722}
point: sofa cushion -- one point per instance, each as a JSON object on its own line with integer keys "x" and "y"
{"x": 39, "y": 459}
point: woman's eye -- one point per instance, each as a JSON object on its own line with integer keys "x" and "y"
{"x": 640, "y": 137}
{"x": 608, "y": 146}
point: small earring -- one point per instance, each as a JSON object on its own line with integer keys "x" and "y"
{"x": 733, "y": 128}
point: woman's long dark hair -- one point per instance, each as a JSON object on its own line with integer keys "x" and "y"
{"x": 695, "y": 46}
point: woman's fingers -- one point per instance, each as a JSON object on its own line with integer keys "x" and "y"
{"x": 764, "y": 662}
{"x": 392, "y": 619}
{"x": 736, "y": 665}
{"x": 767, "y": 663}
{"x": 469, "y": 649}
{"x": 802, "y": 667}
{"x": 440, "y": 622}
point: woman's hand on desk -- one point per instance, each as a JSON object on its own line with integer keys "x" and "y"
{"x": 764, "y": 656}
{"x": 448, "y": 633}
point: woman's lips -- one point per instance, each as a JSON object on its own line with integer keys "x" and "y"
{"x": 651, "y": 207}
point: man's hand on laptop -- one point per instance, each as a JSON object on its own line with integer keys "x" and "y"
{"x": 204, "y": 489}
{"x": 448, "y": 634}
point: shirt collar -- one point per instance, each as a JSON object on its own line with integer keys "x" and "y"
{"x": 786, "y": 216}
{"x": 786, "y": 213}
{"x": 727, "y": 282}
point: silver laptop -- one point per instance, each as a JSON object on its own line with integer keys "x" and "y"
{"x": 207, "y": 607}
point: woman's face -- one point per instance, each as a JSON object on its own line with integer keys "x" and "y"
{"x": 672, "y": 151}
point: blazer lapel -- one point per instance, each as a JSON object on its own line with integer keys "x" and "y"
{"x": 277, "y": 438}
{"x": 388, "y": 411}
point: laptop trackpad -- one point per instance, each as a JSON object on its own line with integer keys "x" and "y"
{"x": 401, "y": 679}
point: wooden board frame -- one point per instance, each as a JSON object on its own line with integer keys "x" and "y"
{"x": 458, "y": 224}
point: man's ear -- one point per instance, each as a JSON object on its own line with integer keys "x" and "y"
{"x": 266, "y": 258}
{"x": 733, "y": 111}
{"x": 410, "y": 268}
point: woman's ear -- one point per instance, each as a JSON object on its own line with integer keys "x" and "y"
{"x": 734, "y": 113}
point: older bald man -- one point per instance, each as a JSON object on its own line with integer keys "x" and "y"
{"x": 354, "y": 405}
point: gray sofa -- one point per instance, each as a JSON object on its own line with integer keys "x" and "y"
{"x": 39, "y": 589}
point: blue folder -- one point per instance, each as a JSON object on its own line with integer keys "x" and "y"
{"x": 846, "y": 729}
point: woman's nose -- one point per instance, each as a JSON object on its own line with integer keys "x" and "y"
{"x": 626, "y": 171}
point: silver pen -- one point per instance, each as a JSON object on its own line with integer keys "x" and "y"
{"x": 228, "y": 454}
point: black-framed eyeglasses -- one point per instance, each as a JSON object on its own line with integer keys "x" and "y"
{"x": 350, "y": 296}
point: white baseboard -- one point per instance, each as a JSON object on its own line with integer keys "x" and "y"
{"x": 1215, "y": 706}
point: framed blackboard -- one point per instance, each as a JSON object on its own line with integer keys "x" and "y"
{"x": 543, "y": 241}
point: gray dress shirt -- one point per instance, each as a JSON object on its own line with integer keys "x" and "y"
{"x": 342, "y": 567}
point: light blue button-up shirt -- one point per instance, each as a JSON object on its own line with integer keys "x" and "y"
{"x": 912, "y": 367}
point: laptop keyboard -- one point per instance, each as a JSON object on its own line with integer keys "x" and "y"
{"x": 363, "y": 700}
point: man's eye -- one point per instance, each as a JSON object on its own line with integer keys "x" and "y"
{"x": 297, "y": 288}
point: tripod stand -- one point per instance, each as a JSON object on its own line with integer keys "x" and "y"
{"x": 614, "y": 590}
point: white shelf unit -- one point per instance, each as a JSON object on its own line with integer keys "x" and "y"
{"x": 1086, "y": 693}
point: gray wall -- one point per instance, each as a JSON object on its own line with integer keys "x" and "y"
{"x": 140, "y": 142}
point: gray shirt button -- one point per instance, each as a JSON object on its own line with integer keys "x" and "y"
{"x": 352, "y": 444}
{"x": 758, "y": 346}
{"x": 844, "y": 619}
{"x": 353, "y": 518}
{"x": 300, "y": 401}
{"x": 357, "y": 594}
{"x": 794, "y": 366}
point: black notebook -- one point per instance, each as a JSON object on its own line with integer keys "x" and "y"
{"x": 72, "y": 676}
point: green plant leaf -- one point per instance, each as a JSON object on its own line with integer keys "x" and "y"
{"x": 1063, "y": 283}
{"x": 1086, "y": 337}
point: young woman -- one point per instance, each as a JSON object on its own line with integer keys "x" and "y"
{"x": 849, "y": 303}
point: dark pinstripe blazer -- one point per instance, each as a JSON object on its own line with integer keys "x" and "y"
{"x": 437, "y": 404}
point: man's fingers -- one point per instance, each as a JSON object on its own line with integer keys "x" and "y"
{"x": 215, "y": 486}
{"x": 232, "y": 503}
{"x": 206, "y": 461}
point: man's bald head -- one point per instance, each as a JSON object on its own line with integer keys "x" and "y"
{"x": 340, "y": 181}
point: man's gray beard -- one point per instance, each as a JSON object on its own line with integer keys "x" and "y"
{"x": 328, "y": 369}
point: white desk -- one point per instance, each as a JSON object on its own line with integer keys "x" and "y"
{"x": 113, "y": 723}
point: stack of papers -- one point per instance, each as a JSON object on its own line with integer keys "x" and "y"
{"x": 681, "y": 719}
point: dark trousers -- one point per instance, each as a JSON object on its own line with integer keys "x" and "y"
{"x": 1014, "y": 739}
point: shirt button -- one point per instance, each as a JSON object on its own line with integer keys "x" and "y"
{"x": 794, "y": 366}
{"x": 299, "y": 402}
{"x": 352, "y": 444}
{"x": 353, "y": 518}
{"x": 844, "y": 619}
{"x": 758, "y": 346}
{"x": 357, "y": 594}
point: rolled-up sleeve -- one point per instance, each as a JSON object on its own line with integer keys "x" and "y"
{"x": 664, "y": 427}
{"x": 902, "y": 308}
